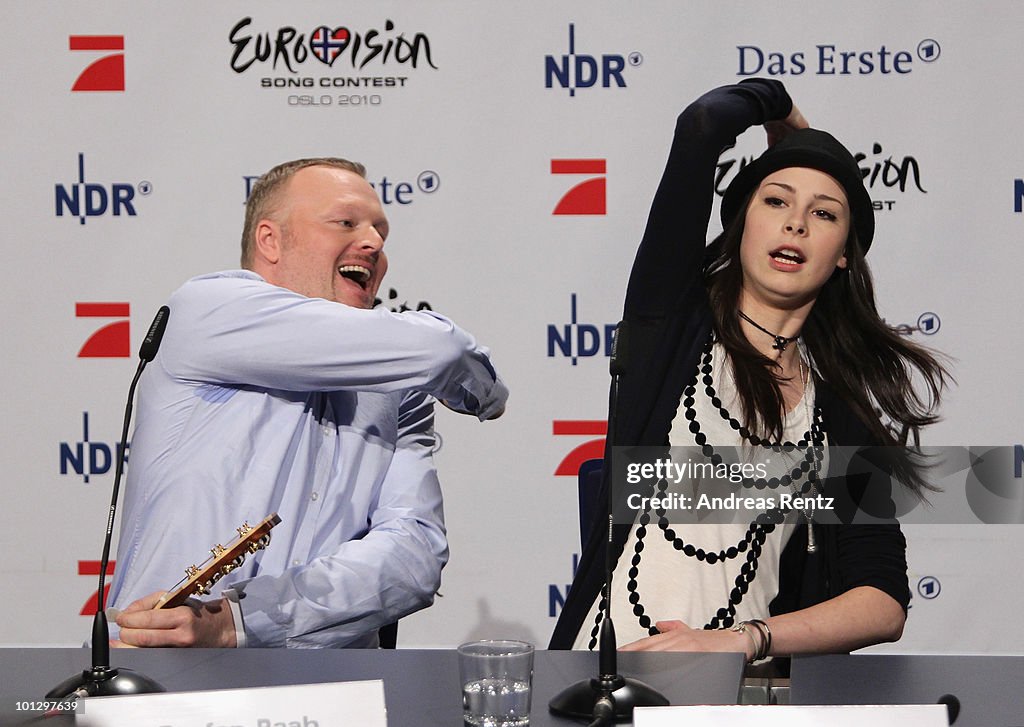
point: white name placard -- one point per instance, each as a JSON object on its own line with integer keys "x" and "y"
{"x": 876, "y": 715}
{"x": 342, "y": 704}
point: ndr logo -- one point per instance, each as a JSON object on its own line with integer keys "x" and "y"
{"x": 89, "y": 199}
{"x": 576, "y": 340}
{"x": 828, "y": 60}
{"x": 1018, "y": 195}
{"x": 400, "y": 193}
{"x": 87, "y": 458}
{"x": 573, "y": 70}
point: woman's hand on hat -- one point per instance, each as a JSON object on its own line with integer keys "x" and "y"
{"x": 780, "y": 129}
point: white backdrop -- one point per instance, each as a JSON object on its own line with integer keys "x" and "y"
{"x": 460, "y": 136}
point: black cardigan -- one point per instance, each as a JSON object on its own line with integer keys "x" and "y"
{"x": 669, "y": 322}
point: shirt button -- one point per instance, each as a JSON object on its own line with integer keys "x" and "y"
{"x": 295, "y": 562}
{"x": 315, "y": 496}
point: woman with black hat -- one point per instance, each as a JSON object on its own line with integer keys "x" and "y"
{"x": 766, "y": 341}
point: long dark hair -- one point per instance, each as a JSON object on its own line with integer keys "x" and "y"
{"x": 865, "y": 361}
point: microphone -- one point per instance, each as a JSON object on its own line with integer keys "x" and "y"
{"x": 102, "y": 680}
{"x": 617, "y": 365}
{"x": 151, "y": 343}
{"x": 952, "y": 706}
{"x": 610, "y": 697}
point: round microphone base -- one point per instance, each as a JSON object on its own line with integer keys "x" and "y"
{"x": 105, "y": 682}
{"x": 579, "y": 699}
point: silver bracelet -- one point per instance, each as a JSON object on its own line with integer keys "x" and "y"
{"x": 745, "y": 627}
{"x": 766, "y": 635}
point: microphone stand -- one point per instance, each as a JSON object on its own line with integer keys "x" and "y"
{"x": 611, "y": 696}
{"x": 102, "y": 679}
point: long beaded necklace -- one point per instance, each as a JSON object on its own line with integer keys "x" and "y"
{"x": 813, "y": 453}
{"x": 763, "y": 525}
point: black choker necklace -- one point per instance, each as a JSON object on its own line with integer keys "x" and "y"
{"x": 780, "y": 341}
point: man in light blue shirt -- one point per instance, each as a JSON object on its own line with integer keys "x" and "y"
{"x": 278, "y": 388}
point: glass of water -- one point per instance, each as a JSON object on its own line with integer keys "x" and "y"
{"x": 496, "y": 679}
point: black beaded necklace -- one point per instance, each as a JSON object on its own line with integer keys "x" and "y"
{"x": 755, "y": 536}
{"x": 811, "y": 437}
{"x": 751, "y": 543}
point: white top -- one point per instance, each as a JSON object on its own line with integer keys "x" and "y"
{"x": 674, "y": 586}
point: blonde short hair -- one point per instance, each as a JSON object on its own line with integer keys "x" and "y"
{"x": 266, "y": 192}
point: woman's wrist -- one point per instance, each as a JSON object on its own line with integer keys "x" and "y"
{"x": 749, "y": 638}
{"x": 757, "y": 638}
{"x": 766, "y": 637}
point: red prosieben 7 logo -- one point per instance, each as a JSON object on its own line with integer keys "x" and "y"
{"x": 113, "y": 339}
{"x": 105, "y": 74}
{"x": 92, "y": 568}
{"x": 589, "y": 197}
{"x": 591, "y": 449}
